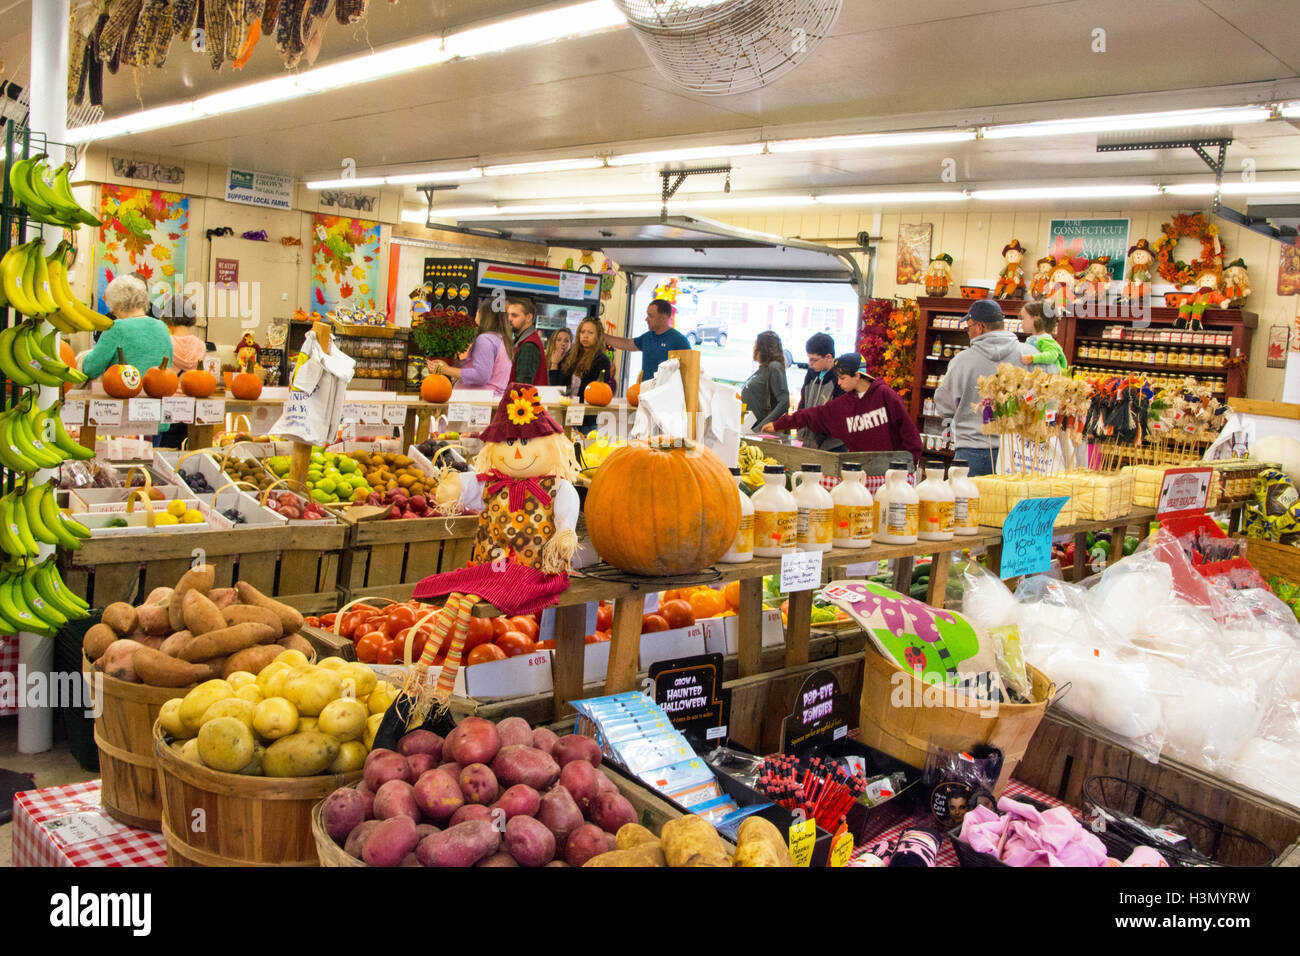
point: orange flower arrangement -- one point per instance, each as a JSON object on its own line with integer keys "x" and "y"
{"x": 1195, "y": 226}
{"x": 887, "y": 342}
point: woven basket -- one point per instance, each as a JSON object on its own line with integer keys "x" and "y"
{"x": 329, "y": 852}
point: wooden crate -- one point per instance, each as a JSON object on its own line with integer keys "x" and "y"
{"x": 1065, "y": 752}
{"x": 387, "y": 558}
{"x": 298, "y": 565}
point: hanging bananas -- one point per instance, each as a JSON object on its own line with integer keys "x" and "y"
{"x": 35, "y": 599}
{"x": 31, "y": 439}
{"x": 47, "y": 194}
{"x": 37, "y": 286}
{"x": 28, "y": 359}
{"x": 31, "y": 518}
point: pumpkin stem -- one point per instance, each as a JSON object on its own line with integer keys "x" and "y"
{"x": 121, "y": 359}
{"x": 163, "y": 366}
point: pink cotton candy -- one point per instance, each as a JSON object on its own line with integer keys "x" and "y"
{"x": 1145, "y": 856}
{"x": 1025, "y": 837}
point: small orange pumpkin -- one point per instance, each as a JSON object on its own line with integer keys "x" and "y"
{"x": 122, "y": 380}
{"x": 69, "y": 359}
{"x": 198, "y": 383}
{"x": 161, "y": 382}
{"x": 435, "y": 389}
{"x": 598, "y": 393}
{"x": 246, "y": 386}
{"x": 634, "y": 395}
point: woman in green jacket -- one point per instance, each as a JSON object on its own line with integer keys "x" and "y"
{"x": 144, "y": 340}
{"x": 767, "y": 395}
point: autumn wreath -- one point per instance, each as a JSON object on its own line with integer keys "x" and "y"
{"x": 1193, "y": 226}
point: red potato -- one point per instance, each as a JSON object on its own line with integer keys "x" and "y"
{"x": 388, "y": 843}
{"x": 519, "y": 800}
{"x": 479, "y": 784}
{"x": 451, "y": 768}
{"x": 470, "y": 811}
{"x": 515, "y": 730}
{"x": 498, "y": 859}
{"x": 357, "y": 838}
{"x": 529, "y": 841}
{"x": 438, "y": 796}
{"x": 390, "y": 766}
{"x": 423, "y": 830}
{"x": 474, "y": 740}
{"x": 368, "y": 795}
{"x": 576, "y": 747}
{"x": 528, "y": 765}
{"x": 419, "y": 763}
{"x": 544, "y": 739}
{"x": 343, "y": 811}
{"x": 603, "y": 783}
{"x": 374, "y": 755}
{"x": 587, "y": 841}
{"x": 421, "y": 742}
{"x": 411, "y": 860}
{"x": 560, "y": 813}
{"x": 462, "y": 845}
{"x": 557, "y": 863}
{"x": 579, "y": 778}
{"x": 611, "y": 810}
{"x": 396, "y": 798}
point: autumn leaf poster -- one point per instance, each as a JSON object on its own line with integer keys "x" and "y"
{"x": 344, "y": 263}
{"x": 143, "y": 231}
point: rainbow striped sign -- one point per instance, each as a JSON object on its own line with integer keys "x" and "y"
{"x": 534, "y": 280}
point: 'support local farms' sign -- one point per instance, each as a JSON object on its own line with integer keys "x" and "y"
{"x": 259, "y": 189}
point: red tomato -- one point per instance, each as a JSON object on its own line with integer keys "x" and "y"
{"x": 549, "y": 643}
{"x": 327, "y": 620}
{"x": 677, "y": 613}
{"x": 390, "y": 653}
{"x": 604, "y": 616}
{"x": 499, "y": 627}
{"x": 369, "y": 646}
{"x": 653, "y": 622}
{"x": 486, "y": 652}
{"x": 524, "y": 624}
{"x": 311, "y": 621}
{"x": 515, "y": 643}
{"x": 598, "y": 638}
{"x": 480, "y": 632}
{"x": 398, "y": 617}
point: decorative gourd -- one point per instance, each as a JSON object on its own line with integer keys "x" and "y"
{"x": 683, "y": 518}
{"x": 598, "y": 393}
{"x": 435, "y": 389}
{"x": 122, "y": 380}
{"x": 161, "y": 382}
{"x": 634, "y": 395}
{"x": 198, "y": 383}
{"x": 246, "y": 386}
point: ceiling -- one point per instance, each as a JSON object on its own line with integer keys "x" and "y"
{"x": 887, "y": 65}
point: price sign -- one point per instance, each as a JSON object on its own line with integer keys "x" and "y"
{"x": 574, "y": 414}
{"x": 571, "y": 285}
{"x": 481, "y": 415}
{"x": 209, "y": 411}
{"x": 143, "y": 410}
{"x": 351, "y": 412}
{"x": 73, "y": 414}
{"x": 178, "y": 409}
{"x": 458, "y": 412}
{"x": 801, "y": 571}
{"x": 803, "y": 836}
{"x": 394, "y": 415}
{"x": 74, "y": 828}
{"x": 372, "y": 415}
{"x": 690, "y": 692}
{"x": 1027, "y": 536}
{"x": 842, "y": 850}
{"x": 1184, "y": 491}
{"x": 107, "y": 412}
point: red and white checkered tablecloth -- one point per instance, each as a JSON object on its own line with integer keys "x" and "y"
{"x": 9, "y": 665}
{"x": 873, "y": 482}
{"x": 41, "y": 814}
{"x": 947, "y": 855}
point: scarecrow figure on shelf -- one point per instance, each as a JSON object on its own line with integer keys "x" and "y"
{"x": 938, "y": 277}
{"x": 1095, "y": 281}
{"x": 247, "y": 351}
{"x": 1011, "y": 280}
{"x": 1140, "y": 261}
{"x": 1236, "y": 282}
{"x": 1207, "y": 294}
{"x": 525, "y": 541}
{"x": 1042, "y": 275}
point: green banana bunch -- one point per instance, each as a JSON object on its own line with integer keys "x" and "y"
{"x": 35, "y": 599}
{"x": 47, "y": 194}
{"x": 31, "y": 518}
{"x": 28, "y": 359}
{"x": 21, "y": 434}
{"x": 48, "y": 426}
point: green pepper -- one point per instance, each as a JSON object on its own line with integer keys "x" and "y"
{"x": 1130, "y": 544}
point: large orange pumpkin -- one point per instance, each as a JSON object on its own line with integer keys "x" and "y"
{"x": 122, "y": 380}
{"x": 598, "y": 393}
{"x": 198, "y": 383}
{"x": 634, "y": 395}
{"x": 435, "y": 389}
{"x": 246, "y": 386}
{"x": 161, "y": 382}
{"x": 682, "y": 516}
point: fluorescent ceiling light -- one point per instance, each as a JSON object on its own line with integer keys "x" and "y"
{"x": 346, "y": 183}
{"x": 686, "y": 154}
{"x": 450, "y": 212}
{"x": 543, "y": 166}
{"x": 870, "y": 141}
{"x": 1068, "y": 192}
{"x": 577, "y": 19}
{"x": 737, "y": 202}
{"x": 1291, "y": 110}
{"x": 1235, "y": 188}
{"x": 870, "y": 198}
{"x": 1134, "y": 121}
{"x": 440, "y": 176}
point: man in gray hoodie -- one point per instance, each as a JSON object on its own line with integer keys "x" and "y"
{"x": 991, "y": 346}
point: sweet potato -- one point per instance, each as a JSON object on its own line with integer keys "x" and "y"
{"x": 119, "y": 660}
{"x": 544, "y": 739}
{"x": 470, "y": 811}
{"x": 579, "y": 778}
{"x": 692, "y": 841}
{"x": 519, "y": 800}
{"x": 576, "y": 747}
{"x": 529, "y": 841}
{"x": 248, "y": 613}
{"x": 140, "y": 638}
{"x": 515, "y": 730}
{"x": 420, "y": 742}
{"x": 251, "y": 659}
{"x": 342, "y": 811}
{"x": 296, "y": 642}
{"x": 290, "y": 618}
{"x": 396, "y": 798}
{"x": 223, "y": 597}
{"x": 200, "y": 614}
{"x": 479, "y": 784}
{"x": 216, "y": 666}
{"x": 160, "y": 670}
{"x": 611, "y": 811}
{"x": 120, "y": 616}
{"x": 419, "y": 764}
{"x": 561, "y": 815}
{"x": 387, "y": 766}
{"x": 438, "y": 794}
{"x": 498, "y": 859}
{"x": 585, "y": 842}
{"x": 633, "y": 835}
{"x": 357, "y": 838}
{"x": 97, "y": 641}
{"x": 647, "y": 854}
{"x": 462, "y": 845}
{"x": 388, "y": 843}
{"x": 159, "y": 597}
{"x": 172, "y": 645}
{"x": 226, "y": 640}
{"x": 473, "y": 740}
{"x": 153, "y": 620}
{"x": 195, "y": 579}
{"x": 517, "y": 764}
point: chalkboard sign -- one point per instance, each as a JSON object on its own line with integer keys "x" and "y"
{"x": 820, "y": 715}
{"x": 690, "y": 692}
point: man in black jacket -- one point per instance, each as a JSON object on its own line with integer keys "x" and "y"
{"x": 820, "y": 385}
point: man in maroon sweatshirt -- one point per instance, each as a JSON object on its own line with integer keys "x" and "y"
{"x": 869, "y": 416}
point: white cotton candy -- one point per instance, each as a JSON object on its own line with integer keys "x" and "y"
{"x": 1122, "y": 702}
{"x": 1270, "y": 768}
{"x": 988, "y": 604}
{"x": 1208, "y": 724}
{"x": 1263, "y": 656}
{"x": 1067, "y": 666}
{"x": 1125, "y": 596}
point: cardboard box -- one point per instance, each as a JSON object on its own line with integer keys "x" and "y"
{"x": 248, "y": 506}
{"x": 98, "y": 521}
{"x": 114, "y": 499}
{"x": 670, "y": 645}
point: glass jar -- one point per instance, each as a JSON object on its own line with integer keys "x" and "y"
{"x": 1198, "y": 358}
{"x": 1126, "y": 354}
{"x": 1220, "y": 359}
{"x": 947, "y": 351}
{"x": 937, "y": 348}
{"x": 1162, "y": 355}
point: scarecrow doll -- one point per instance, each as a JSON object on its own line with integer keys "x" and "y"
{"x": 1095, "y": 280}
{"x": 1207, "y": 293}
{"x": 1042, "y": 275}
{"x": 1236, "y": 282}
{"x": 1011, "y": 280}
{"x": 1140, "y": 261}
{"x": 525, "y": 539}
{"x": 938, "y": 277}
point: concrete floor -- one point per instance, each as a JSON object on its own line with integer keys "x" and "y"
{"x": 53, "y": 768}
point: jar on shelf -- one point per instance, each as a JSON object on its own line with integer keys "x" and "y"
{"x": 937, "y": 348}
{"x": 1220, "y": 359}
{"x": 1126, "y": 354}
{"x": 1162, "y": 355}
{"x": 947, "y": 351}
